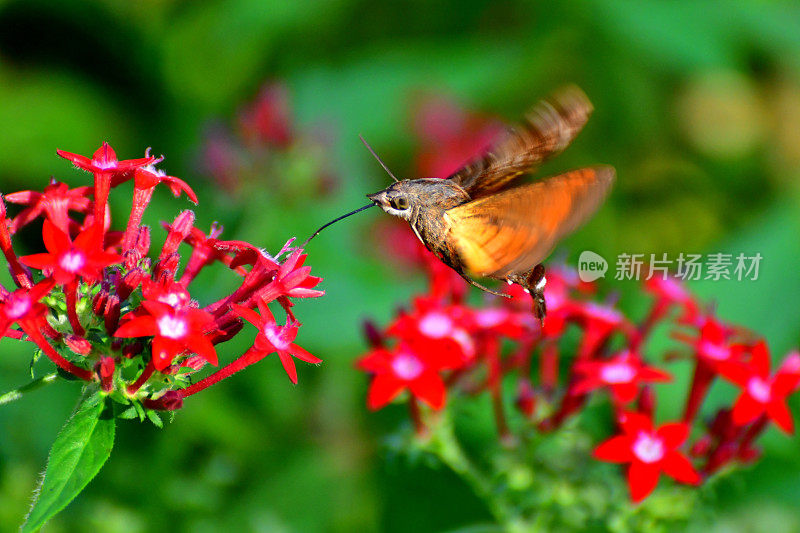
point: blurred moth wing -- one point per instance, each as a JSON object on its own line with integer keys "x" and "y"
{"x": 510, "y": 232}
{"x": 549, "y": 127}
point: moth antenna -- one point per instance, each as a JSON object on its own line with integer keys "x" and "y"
{"x": 333, "y": 221}
{"x": 363, "y": 140}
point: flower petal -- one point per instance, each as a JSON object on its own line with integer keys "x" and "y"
{"x": 303, "y": 355}
{"x": 746, "y": 409}
{"x": 585, "y": 385}
{"x": 140, "y": 326}
{"x": 780, "y": 414}
{"x": 649, "y": 373}
{"x": 625, "y": 392}
{"x": 674, "y": 434}
{"x": 376, "y": 361}
{"x": 642, "y": 479}
{"x": 164, "y": 351}
{"x": 678, "y": 467}
{"x": 200, "y": 345}
{"x": 79, "y": 161}
{"x": 633, "y": 423}
{"x": 55, "y": 240}
{"x": 430, "y": 389}
{"x": 248, "y": 314}
{"x": 383, "y": 389}
{"x": 759, "y": 358}
{"x": 288, "y": 365}
{"x": 38, "y": 261}
{"x": 614, "y": 450}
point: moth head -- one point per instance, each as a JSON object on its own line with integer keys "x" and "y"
{"x": 396, "y": 200}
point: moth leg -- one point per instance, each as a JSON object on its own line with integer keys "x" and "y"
{"x": 481, "y": 287}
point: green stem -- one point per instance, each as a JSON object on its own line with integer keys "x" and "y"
{"x": 16, "y": 394}
{"x": 444, "y": 444}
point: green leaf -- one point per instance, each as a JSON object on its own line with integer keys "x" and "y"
{"x": 155, "y": 419}
{"x": 80, "y": 450}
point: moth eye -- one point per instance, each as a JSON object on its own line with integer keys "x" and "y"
{"x": 400, "y": 202}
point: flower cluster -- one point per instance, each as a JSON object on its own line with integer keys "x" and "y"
{"x": 443, "y": 346}
{"x": 265, "y": 142}
{"x": 105, "y": 312}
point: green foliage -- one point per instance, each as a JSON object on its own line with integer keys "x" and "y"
{"x": 258, "y": 454}
{"x": 81, "y": 448}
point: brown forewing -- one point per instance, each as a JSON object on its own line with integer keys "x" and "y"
{"x": 514, "y": 230}
{"x": 547, "y": 129}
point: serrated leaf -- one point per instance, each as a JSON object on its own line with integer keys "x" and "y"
{"x": 81, "y": 448}
{"x": 155, "y": 419}
{"x": 128, "y": 414}
{"x": 139, "y": 411}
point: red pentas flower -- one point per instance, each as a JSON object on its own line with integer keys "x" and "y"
{"x": 108, "y": 172}
{"x": 67, "y": 260}
{"x": 165, "y": 334}
{"x": 671, "y": 292}
{"x": 413, "y": 367}
{"x": 23, "y": 305}
{"x": 623, "y": 374}
{"x": 442, "y": 327}
{"x": 762, "y": 393}
{"x": 105, "y": 160}
{"x": 448, "y": 347}
{"x": 57, "y": 200}
{"x": 174, "y": 331}
{"x": 649, "y": 452}
{"x": 264, "y": 142}
{"x": 273, "y": 338}
{"x": 713, "y": 349}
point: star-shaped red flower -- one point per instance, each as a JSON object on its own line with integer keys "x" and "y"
{"x": 623, "y": 374}
{"x": 413, "y": 367}
{"x": 273, "y": 338}
{"x": 174, "y": 331}
{"x": 105, "y": 160}
{"x": 649, "y": 452}
{"x": 761, "y": 392}
{"x": 56, "y": 200}
{"x": 68, "y": 260}
{"x": 440, "y": 327}
{"x": 108, "y": 172}
{"x": 23, "y": 306}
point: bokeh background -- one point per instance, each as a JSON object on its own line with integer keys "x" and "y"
{"x": 697, "y": 106}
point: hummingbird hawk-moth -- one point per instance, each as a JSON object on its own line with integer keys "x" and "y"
{"x": 480, "y": 221}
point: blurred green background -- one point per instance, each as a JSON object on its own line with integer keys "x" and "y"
{"x": 697, "y": 106}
